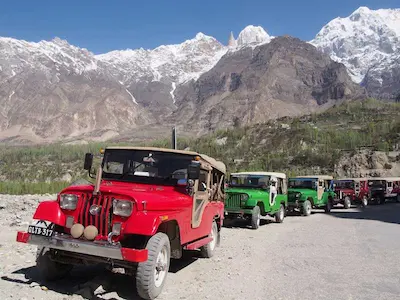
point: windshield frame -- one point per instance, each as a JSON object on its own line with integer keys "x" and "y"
{"x": 168, "y": 159}
{"x": 314, "y": 188}
{"x": 249, "y": 186}
{"x": 342, "y": 187}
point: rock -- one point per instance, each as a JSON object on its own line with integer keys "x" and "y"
{"x": 99, "y": 290}
{"x": 34, "y": 284}
{"x": 44, "y": 288}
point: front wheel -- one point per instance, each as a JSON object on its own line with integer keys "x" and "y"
{"x": 280, "y": 215}
{"x": 306, "y": 208}
{"x": 347, "y": 202}
{"x": 207, "y": 251}
{"x": 328, "y": 206}
{"x": 255, "y": 217}
{"x": 48, "y": 268}
{"x": 151, "y": 274}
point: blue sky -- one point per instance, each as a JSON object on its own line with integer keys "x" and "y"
{"x": 101, "y": 26}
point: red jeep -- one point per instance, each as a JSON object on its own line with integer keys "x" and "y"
{"x": 352, "y": 190}
{"x": 147, "y": 205}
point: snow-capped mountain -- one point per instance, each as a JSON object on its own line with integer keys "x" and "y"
{"x": 52, "y": 90}
{"x": 361, "y": 40}
{"x": 383, "y": 79}
{"x": 253, "y": 35}
{"x": 176, "y": 63}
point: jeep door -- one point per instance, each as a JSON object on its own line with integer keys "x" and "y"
{"x": 200, "y": 198}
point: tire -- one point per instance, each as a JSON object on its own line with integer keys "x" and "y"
{"x": 364, "y": 201}
{"x": 347, "y": 202}
{"x": 382, "y": 200}
{"x": 255, "y": 217}
{"x": 50, "y": 270}
{"x": 398, "y": 198}
{"x": 280, "y": 215}
{"x": 306, "y": 208}
{"x": 149, "y": 284}
{"x": 207, "y": 251}
{"x": 328, "y": 206}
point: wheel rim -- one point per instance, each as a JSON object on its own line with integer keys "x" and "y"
{"x": 161, "y": 267}
{"x": 365, "y": 202}
{"x": 258, "y": 219}
{"x": 214, "y": 238}
{"x": 308, "y": 208}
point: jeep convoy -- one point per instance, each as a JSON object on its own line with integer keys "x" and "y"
{"x": 148, "y": 205}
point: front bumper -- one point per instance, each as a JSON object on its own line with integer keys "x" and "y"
{"x": 238, "y": 211}
{"x": 95, "y": 248}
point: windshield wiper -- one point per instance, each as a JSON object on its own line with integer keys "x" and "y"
{"x": 130, "y": 170}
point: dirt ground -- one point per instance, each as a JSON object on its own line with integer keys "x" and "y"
{"x": 348, "y": 254}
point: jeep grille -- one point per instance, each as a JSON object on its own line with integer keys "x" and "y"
{"x": 233, "y": 200}
{"x": 102, "y": 220}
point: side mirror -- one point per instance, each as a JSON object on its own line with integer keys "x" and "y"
{"x": 88, "y": 162}
{"x": 193, "y": 171}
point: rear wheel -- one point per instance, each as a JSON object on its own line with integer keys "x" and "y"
{"x": 382, "y": 200}
{"x": 207, "y": 251}
{"x": 255, "y": 217}
{"x": 280, "y": 215}
{"x": 347, "y": 202}
{"x": 306, "y": 208}
{"x": 398, "y": 198}
{"x": 151, "y": 274}
{"x": 48, "y": 268}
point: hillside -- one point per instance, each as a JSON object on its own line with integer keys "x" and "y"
{"x": 317, "y": 143}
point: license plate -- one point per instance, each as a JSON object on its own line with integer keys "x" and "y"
{"x": 40, "y": 227}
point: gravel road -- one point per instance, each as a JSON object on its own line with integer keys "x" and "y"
{"x": 349, "y": 254}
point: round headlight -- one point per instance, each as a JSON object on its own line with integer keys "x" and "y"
{"x": 122, "y": 208}
{"x": 68, "y": 201}
{"x": 244, "y": 197}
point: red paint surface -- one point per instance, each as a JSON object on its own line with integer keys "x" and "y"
{"x": 134, "y": 255}
{"x": 22, "y": 237}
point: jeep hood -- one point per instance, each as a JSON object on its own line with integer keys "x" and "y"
{"x": 248, "y": 191}
{"x": 156, "y": 197}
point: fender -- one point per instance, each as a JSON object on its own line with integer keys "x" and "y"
{"x": 50, "y": 211}
{"x": 145, "y": 223}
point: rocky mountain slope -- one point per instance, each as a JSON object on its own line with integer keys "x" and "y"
{"x": 284, "y": 77}
{"x": 51, "y": 90}
{"x": 366, "y": 40}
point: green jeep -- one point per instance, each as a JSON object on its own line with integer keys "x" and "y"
{"x": 251, "y": 195}
{"x": 308, "y": 192}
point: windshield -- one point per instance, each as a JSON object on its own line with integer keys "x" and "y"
{"x": 145, "y": 166}
{"x": 377, "y": 183}
{"x": 302, "y": 183}
{"x": 249, "y": 181}
{"x": 345, "y": 184}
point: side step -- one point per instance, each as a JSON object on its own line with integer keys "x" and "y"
{"x": 197, "y": 244}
